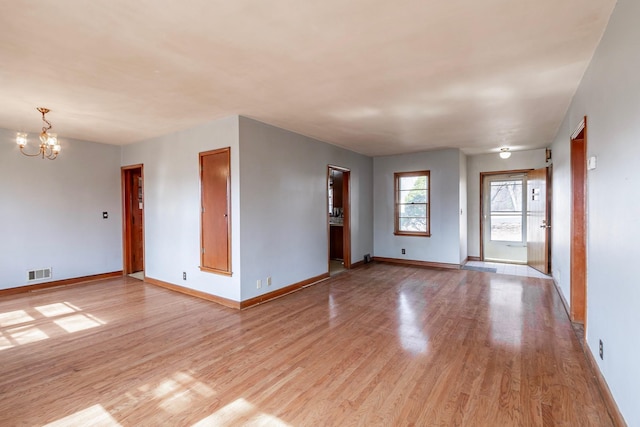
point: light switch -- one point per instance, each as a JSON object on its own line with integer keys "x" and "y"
{"x": 591, "y": 163}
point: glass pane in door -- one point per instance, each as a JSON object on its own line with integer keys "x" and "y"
{"x": 506, "y": 211}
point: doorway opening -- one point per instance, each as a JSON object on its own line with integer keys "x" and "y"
{"x": 133, "y": 220}
{"x": 338, "y": 219}
{"x": 514, "y": 218}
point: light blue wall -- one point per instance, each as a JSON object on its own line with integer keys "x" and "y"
{"x": 172, "y": 205}
{"x": 609, "y": 96}
{"x": 51, "y": 211}
{"x": 445, "y": 171}
{"x": 283, "y": 202}
{"x": 279, "y": 223}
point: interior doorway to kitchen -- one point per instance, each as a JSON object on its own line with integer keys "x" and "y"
{"x": 338, "y": 219}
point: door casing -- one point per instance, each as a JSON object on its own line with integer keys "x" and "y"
{"x": 346, "y": 207}
{"x": 484, "y": 175}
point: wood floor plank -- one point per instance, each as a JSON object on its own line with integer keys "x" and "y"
{"x": 381, "y": 345}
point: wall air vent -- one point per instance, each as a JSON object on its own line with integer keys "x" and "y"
{"x": 40, "y": 274}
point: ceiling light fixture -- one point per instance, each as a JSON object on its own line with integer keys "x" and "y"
{"x": 505, "y": 153}
{"x": 49, "y": 147}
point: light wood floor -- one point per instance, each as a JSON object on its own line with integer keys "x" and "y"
{"x": 382, "y": 345}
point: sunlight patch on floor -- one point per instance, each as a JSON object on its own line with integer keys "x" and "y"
{"x": 17, "y": 317}
{"x": 19, "y": 327}
{"x": 95, "y": 416}
{"x": 26, "y": 334}
{"x": 240, "y": 412}
{"x": 56, "y": 309}
{"x": 5, "y": 343}
{"x": 179, "y": 392}
{"x": 78, "y": 322}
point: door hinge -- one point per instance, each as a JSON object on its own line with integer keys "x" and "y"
{"x": 202, "y": 250}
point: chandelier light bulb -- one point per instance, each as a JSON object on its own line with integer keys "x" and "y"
{"x": 21, "y": 139}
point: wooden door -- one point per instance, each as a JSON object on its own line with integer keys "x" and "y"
{"x": 136, "y": 210}
{"x": 215, "y": 220}
{"x": 578, "y": 224}
{"x": 133, "y": 218}
{"x": 538, "y": 226}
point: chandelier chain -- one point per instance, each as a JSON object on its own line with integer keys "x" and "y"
{"x": 45, "y": 128}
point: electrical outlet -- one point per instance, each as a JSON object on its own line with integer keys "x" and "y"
{"x": 601, "y": 350}
{"x": 184, "y": 275}
{"x": 403, "y": 252}
{"x": 259, "y": 284}
{"x": 269, "y": 281}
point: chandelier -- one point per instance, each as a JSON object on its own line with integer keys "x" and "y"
{"x": 49, "y": 147}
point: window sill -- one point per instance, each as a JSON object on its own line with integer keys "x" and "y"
{"x": 216, "y": 271}
{"x": 408, "y": 233}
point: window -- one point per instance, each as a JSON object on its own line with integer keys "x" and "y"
{"x": 412, "y": 203}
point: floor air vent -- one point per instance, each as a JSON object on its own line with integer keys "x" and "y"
{"x": 43, "y": 273}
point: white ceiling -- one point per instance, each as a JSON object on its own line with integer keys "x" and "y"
{"x": 375, "y": 76}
